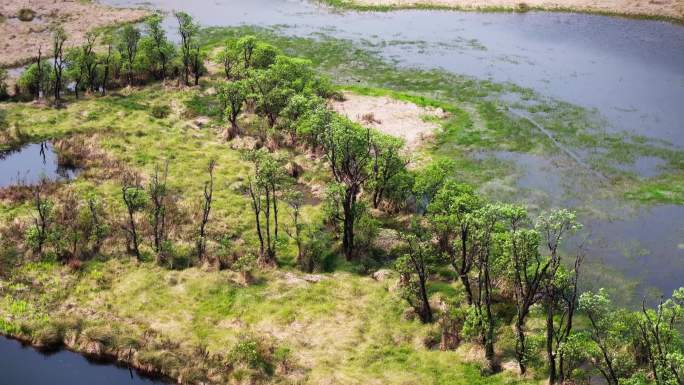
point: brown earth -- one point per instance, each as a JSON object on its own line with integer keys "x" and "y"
{"x": 402, "y": 119}
{"x": 673, "y": 9}
{"x": 20, "y": 40}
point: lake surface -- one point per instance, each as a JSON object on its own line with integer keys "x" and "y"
{"x": 632, "y": 71}
{"x": 22, "y": 365}
{"x": 30, "y": 163}
{"x": 629, "y": 71}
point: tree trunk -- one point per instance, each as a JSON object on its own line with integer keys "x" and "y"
{"x": 426, "y": 311}
{"x": 463, "y": 271}
{"x": 520, "y": 344}
{"x": 348, "y": 236}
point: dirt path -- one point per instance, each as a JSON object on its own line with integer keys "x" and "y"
{"x": 20, "y": 40}
{"x": 673, "y": 9}
{"x": 394, "y": 117}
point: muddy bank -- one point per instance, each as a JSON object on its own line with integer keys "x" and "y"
{"x": 667, "y": 9}
{"x": 25, "y": 25}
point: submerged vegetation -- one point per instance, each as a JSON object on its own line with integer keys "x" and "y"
{"x": 229, "y": 226}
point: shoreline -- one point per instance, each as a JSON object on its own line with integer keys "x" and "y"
{"x": 110, "y": 357}
{"x": 428, "y": 5}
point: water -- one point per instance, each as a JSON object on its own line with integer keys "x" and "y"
{"x": 30, "y": 163}
{"x": 630, "y": 71}
{"x": 22, "y": 365}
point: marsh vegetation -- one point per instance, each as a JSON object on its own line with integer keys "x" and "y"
{"x": 227, "y": 225}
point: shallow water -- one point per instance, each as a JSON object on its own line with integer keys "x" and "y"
{"x": 30, "y": 163}
{"x": 630, "y": 71}
{"x": 21, "y": 365}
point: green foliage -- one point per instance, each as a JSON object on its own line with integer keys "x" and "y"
{"x": 253, "y": 353}
{"x": 430, "y": 179}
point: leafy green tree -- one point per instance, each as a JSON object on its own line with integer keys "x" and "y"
{"x": 483, "y": 228}
{"x": 298, "y": 107}
{"x": 246, "y": 46}
{"x": 197, "y": 57}
{"x": 187, "y": 29}
{"x": 347, "y": 148}
{"x": 129, "y": 37}
{"x": 660, "y": 333}
{"x": 386, "y": 164}
{"x": 264, "y": 56}
{"x": 32, "y": 80}
{"x": 527, "y": 271}
{"x": 107, "y": 60}
{"x": 609, "y": 331}
{"x": 89, "y": 61}
{"x": 308, "y": 120}
{"x": 430, "y": 180}
{"x": 229, "y": 57}
{"x": 415, "y": 267}
{"x": 232, "y": 98}
{"x": 560, "y": 288}
{"x": 451, "y": 214}
{"x": 156, "y": 47}
{"x": 75, "y": 68}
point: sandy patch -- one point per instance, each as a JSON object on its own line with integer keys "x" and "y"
{"x": 20, "y": 40}
{"x": 663, "y": 8}
{"x": 394, "y": 117}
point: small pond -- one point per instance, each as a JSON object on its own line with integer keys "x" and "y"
{"x": 22, "y": 365}
{"x": 28, "y": 164}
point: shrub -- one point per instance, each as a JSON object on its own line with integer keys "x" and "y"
{"x": 252, "y": 353}
{"x": 3, "y": 84}
{"x": 160, "y": 111}
{"x": 26, "y": 14}
{"x": 522, "y": 7}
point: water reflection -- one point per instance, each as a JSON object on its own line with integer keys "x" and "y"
{"x": 22, "y": 365}
{"x": 29, "y": 164}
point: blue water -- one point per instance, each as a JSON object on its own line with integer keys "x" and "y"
{"x": 21, "y": 365}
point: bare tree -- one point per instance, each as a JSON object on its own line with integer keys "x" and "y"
{"x": 264, "y": 188}
{"x": 295, "y": 201}
{"x": 42, "y": 220}
{"x": 158, "y": 192}
{"x": 58, "y": 39}
{"x": 206, "y": 210}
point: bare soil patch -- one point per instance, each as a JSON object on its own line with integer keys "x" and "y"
{"x": 391, "y": 116}
{"x": 654, "y": 8}
{"x": 20, "y": 40}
